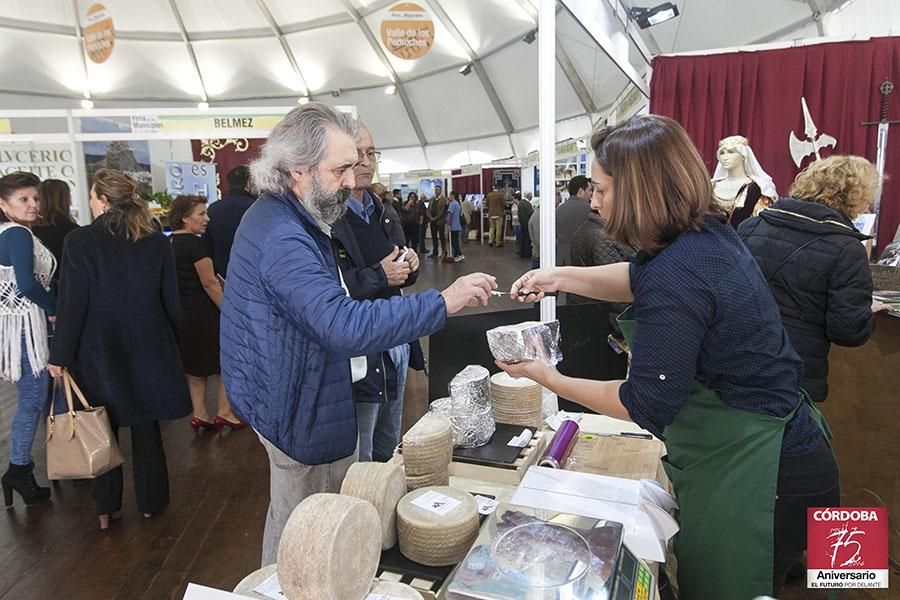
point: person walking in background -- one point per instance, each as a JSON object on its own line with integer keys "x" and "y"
{"x": 495, "y": 202}
{"x": 514, "y": 219}
{"x": 200, "y": 294}
{"x": 466, "y": 218}
{"x": 423, "y": 223}
{"x": 815, "y": 265}
{"x": 454, "y": 212}
{"x": 225, "y": 215}
{"x": 26, "y": 269}
{"x": 570, "y": 215}
{"x": 409, "y": 218}
{"x": 55, "y": 221}
{"x": 525, "y": 209}
{"x": 118, "y": 333}
{"x": 437, "y": 216}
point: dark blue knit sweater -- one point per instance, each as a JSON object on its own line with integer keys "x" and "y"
{"x": 704, "y": 313}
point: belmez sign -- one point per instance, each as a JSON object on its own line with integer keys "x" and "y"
{"x": 847, "y": 547}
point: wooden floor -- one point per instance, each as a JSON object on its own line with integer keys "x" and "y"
{"x": 211, "y": 533}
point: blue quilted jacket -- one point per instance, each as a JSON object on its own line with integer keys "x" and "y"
{"x": 289, "y": 329}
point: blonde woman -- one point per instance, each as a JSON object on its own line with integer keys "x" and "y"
{"x": 118, "y": 332}
{"x": 812, "y": 257}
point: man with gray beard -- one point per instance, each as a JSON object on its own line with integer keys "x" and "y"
{"x": 292, "y": 340}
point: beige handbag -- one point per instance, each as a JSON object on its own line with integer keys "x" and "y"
{"x": 80, "y": 444}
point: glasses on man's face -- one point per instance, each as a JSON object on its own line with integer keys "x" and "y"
{"x": 371, "y": 155}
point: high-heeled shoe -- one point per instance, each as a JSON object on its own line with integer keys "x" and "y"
{"x": 198, "y": 424}
{"x": 105, "y": 519}
{"x": 20, "y": 478}
{"x": 221, "y": 422}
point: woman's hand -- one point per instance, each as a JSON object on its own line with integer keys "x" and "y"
{"x": 55, "y": 371}
{"x": 535, "y": 370}
{"x": 533, "y": 284}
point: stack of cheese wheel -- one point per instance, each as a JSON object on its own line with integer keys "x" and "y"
{"x": 395, "y": 591}
{"x": 382, "y": 484}
{"x": 327, "y": 550}
{"x": 516, "y": 400}
{"x": 427, "y": 451}
{"x": 434, "y": 535}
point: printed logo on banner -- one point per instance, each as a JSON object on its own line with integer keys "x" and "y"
{"x": 847, "y": 547}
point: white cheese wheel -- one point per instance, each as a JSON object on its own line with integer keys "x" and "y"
{"x": 329, "y": 549}
{"x": 442, "y": 477}
{"x": 393, "y": 589}
{"x": 382, "y": 484}
{"x": 249, "y": 583}
{"x": 437, "y": 537}
{"x": 428, "y": 445}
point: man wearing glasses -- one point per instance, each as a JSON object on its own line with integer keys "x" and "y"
{"x": 375, "y": 264}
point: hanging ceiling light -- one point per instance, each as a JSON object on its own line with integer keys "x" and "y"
{"x": 303, "y": 100}
{"x": 390, "y": 90}
{"x": 465, "y": 69}
{"x": 203, "y": 105}
{"x": 87, "y": 104}
{"x": 529, "y": 37}
{"x": 648, "y": 17}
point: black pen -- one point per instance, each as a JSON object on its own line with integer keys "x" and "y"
{"x": 634, "y": 434}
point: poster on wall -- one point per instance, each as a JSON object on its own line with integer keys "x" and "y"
{"x": 427, "y": 186}
{"x": 47, "y": 161}
{"x": 226, "y": 154}
{"x": 132, "y": 157}
{"x": 192, "y": 179}
{"x": 511, "y": 178}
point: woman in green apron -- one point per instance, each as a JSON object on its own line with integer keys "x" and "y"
{"x": 713, "y": 373}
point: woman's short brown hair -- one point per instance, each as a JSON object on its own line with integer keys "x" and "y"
{"x": 181, "y": 208}
{"x": 661, "y": 186}
{"x": 842, "y": 182}
{"x": 128, "y": 214}
{"x": 14, "y": 181}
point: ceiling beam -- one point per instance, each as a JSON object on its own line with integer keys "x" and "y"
{"x": 284, "y": 45}
{"x": 476, "y": 65}
{"x": 395, "y": 79}
{"x": 190, "y": 49}
{"x": 565, "y": 62}
{"x": 816, "y": 13}
{"x": 82, "y": 51}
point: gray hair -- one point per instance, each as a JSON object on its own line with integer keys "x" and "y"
{"x": 298, "y": 141}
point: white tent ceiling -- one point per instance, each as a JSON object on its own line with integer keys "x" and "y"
{"x": 269, "y": 52}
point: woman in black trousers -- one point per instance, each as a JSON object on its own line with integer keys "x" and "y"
{"x": 118, "y": 331}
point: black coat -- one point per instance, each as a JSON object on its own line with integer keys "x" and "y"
{"x": 591, "y": 247}
{"x": 368, "y": 282}
{"x": 118, "y": 325}
{"x": 819, "y": 273}
{"x": 224, "y": 218}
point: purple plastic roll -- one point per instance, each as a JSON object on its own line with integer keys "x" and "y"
{"x": 560, "y": 446}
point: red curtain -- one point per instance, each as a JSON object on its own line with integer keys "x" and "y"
{"x": 227, "y": 154}
{"x": 467, "y": 184}
{"x": 757, "y": 94}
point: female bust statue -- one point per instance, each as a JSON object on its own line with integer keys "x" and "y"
{"x": 739, "y": 183}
